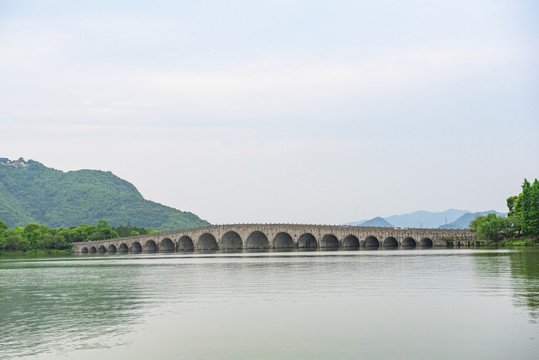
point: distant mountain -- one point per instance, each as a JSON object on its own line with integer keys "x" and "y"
{"x": 32, "y": 192}
{"x": 464, "y": 221}
{"x": 377, "y": 221}
{"x": 417, "y": 219}
{"x": 426, "y": 219}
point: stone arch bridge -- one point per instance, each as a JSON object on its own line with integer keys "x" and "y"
{"x": 280, "y": 236}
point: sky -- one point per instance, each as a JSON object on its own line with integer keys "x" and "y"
{"x": 279, "y": 111}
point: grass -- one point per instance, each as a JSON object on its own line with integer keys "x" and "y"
{"x": 520, "y": 242}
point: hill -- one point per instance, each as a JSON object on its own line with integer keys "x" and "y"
{"x": 377, "y": 221}
{"x": 418, "y": 219}
{"x": 464, "y": 221}
{"x": 426, "y": 219}
{"x": 32, "y": 192}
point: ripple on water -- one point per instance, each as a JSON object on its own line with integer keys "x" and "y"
{"x": 81, "y": 305}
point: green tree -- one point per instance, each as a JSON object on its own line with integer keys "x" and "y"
{"x": 512, "y": 205}
{"x": 524, "y": 206}
{"x": 3, "y": 227}
{"x": 527, "y": 208}
{"x": 96, "y": 236}
{"x": 106, "y": 231}
{"x": 15, "y": 241}
{"x": 533, "y": 212}
{"x": 493, "y": 227}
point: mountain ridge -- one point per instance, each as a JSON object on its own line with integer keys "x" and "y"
{"x": 448, "y": 219}
{"x": 32, "y": 192}
{"x": 464, "y": 221}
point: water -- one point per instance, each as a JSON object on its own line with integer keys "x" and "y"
{"x": 405, "y": 304}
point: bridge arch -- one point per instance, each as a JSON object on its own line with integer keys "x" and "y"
{"x": 307, "y": 241}
{"x": 350, "y": 242}
{"x": 122, "y": 248}
{"x": 329, "y": 241}
{"x": 207, "y": 241}
{"x": 136, "y": 247}
{"x": 283, "y": 240}
{"x": 371, "y": 242}
{"x": 257, "y": 240}
{"x": 150, "y": 246}
{"x": 185, "y": 244}
{"x": 279, "y": 236}
{"x": 231, "y": 241}
{"x": 391, "y": 242}
{"x": 409, "y": 242}
{"x": 166, "y": 245}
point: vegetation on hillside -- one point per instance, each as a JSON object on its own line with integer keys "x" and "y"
{"x": 521, "y": 225}
{"x": 40, "y": 238}
{"x": 37, "y": 194}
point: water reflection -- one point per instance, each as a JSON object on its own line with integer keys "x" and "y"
{"x": 514, "y": 269}
{"x": 525, "y": 271}
{"x": 55, "y": 306}
{"x": 272, "y": 304}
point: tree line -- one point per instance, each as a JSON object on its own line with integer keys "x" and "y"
{"x": 40, "y": 237}
{"x": 522, "y": 220}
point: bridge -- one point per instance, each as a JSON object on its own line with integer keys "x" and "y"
{"x": 280, "y": 236}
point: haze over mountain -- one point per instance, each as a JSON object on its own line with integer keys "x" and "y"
{"x": 31, "y": 192}
{"x": 377, "y": 221}
{"x": 426, "y": 219}
{"x": 416, "y": 219}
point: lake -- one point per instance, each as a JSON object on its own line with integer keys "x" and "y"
{"x": 382, "y": 304}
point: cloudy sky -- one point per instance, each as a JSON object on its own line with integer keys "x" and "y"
{"x": 279, "y": 111}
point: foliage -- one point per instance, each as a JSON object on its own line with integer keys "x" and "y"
{"x": 448, "y": 240}
{"x": 34, "y": 237}
{"x": 525, "y": 207}
{"x": 37, "y": 194}
{"x": 522, "y": 219}
{"x": 126, "y": 231}
{"x": 493, "y": 227}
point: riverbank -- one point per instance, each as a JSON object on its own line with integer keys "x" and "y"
{"x": 8, "y": 253}
{"x": 520, "y": 242}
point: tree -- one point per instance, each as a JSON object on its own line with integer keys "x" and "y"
{"x": 102, "y": 224}
{"x": 96, "y": 236}
{"x": 533, "y": 211}
{"x": 493, "y": 227}
{"x": 527, "y": 208}
{"x": 3, "y": 227}
{"x": 524, "y": 206}
{"x": 15, "y": 241}
{"x": 105, "y": 230}
{"x": 512, "y": 205}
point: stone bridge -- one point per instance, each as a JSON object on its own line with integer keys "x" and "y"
{"x": 280, "y": 236}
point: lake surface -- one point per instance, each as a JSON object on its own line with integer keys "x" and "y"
{"x": 401, "y": 304}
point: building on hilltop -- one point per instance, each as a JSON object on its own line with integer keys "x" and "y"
{"x": 17, "y": 163}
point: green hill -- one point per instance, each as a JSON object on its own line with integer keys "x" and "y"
{"x": 463, "y": 222}
{"x": 33, "y": 192}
